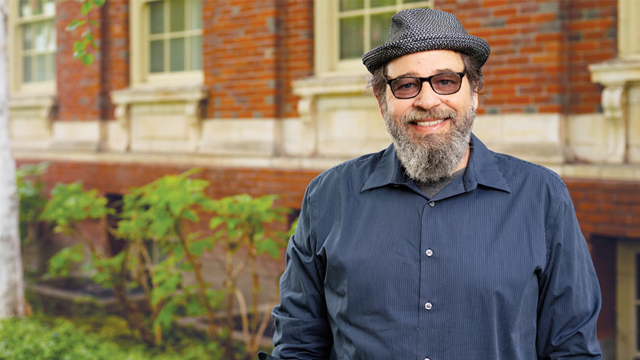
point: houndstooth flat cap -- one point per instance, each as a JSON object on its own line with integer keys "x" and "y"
{"x": 415, "y": 30}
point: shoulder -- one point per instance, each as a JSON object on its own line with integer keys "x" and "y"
{"x": 352, "y": 173}
{"x": 526, "y": 176}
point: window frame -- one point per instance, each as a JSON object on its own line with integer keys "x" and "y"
{"x": 628, "y": 28}
{"x": 140, "y": 74}
{"x": 626, "y": 300}
{"x": 16, "y": 71}
{"x": 327, "y": 40}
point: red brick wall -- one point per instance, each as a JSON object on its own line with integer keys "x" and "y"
{"x": 297, "y": 50}
{"x": 610, "y": 208}
{"x": 83, "y": 91}
{"x": 79, "y": 86}
{"x": 606, "y": 210}
{"x": 252, "y": 51}
{"x": 240, "y": 58}
{"x": 592, "y": 39}
{"x": 540, "y": 51}
{"x": 118, "y": 178}
{"x": 115, "y": 45}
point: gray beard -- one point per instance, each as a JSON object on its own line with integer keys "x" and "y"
{"x": 431, "y": 157}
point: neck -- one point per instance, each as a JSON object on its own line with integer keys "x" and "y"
{"x": 464, "y": 161}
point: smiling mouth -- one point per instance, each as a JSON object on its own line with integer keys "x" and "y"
{"x": 428, "y": 123}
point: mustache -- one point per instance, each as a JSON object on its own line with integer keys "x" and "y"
{"x": 418, "y": 115}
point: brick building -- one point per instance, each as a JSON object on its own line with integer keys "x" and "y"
{"x": 263, "y": 95}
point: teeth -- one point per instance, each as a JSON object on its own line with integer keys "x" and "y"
{"x": 428, "y": 123}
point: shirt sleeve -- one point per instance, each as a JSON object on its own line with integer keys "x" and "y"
{"x": 569, "y": 299}
{"x": 301, "y": 327}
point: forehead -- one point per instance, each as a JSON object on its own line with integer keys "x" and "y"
{"x": 425, "y": 63}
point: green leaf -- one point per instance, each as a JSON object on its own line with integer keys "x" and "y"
{"x": 98, "y": 3}
{"x": 270, "y": 247}
{"x": 190, "y": 215}
{"x": 156, "y": 295}
{"x": 166, "y": 315}
{"x": 178, "y": 252}
{"x": 215, "y": 222}
{"x": 198, "y": 247}
{"x": 60, "y": 263}
{"x": 87, "y": 59}
{"x": 75, "y": 24}
{"x": 194, "y": 308}
{"x": 186, "y": 266}
{"x": 87, "y": 5}
{"x": 79, "y": 45}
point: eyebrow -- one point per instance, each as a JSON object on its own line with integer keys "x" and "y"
{"x": 436, "y": 72}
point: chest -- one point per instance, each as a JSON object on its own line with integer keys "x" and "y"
{"x": 389, "y": 256}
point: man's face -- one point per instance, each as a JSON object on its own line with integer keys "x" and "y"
{"x": 431, "y": 131}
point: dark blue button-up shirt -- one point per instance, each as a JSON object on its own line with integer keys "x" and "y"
{"x": 492, "y": 267}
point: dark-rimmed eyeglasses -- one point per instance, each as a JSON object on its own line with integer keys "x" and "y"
{"x": 408, "y": 87}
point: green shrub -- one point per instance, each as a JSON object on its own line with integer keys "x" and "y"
{"x": 60, "y": 339}
{"x": 30, "y": 188}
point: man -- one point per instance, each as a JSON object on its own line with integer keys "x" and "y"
{"x": 436, "y": 248}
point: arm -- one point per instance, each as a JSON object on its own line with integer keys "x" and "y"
{"x": 569, "y": 299}
{"x": 302, "y": 328}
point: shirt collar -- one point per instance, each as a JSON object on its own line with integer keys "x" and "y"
{"x": 482, "y": 169}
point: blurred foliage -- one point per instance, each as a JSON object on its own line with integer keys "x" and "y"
{"x": 108, "y": 338}
{"x": 30, "y": 188}
{"x": 156, "y": 223}
{"x": 70, "y": 204}
{"x": 243, "y": 223}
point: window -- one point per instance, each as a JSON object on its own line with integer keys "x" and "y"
{"x": 175, "y": 36}
{"x": 35, "y": 46}
{"x": 170, "y": 34}
{"x": 346, "y": 29}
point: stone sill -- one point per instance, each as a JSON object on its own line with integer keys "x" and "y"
{"x": 159, "y": 94}
{"x": 616, "y": 72}
{"x": 330, "y": 85}
{"x": 32, "y": 100}
{"x": 194, "y": 160}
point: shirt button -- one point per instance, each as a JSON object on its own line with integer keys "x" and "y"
{"x": 427, "y": 359}
{"x": 428, "y": 306}
{"x": 432, "y": 204}
{"x": 429, "y": 252}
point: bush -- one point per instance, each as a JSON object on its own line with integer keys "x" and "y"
{"x": 60, "y": 339}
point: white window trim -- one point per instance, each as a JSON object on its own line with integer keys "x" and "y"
{"x": 16, "y": 86}
{"x": 626, "y": 327}
{"x": 327, "y": 42}
{"x": 628, "y": 29}
{"x": 139, "y": 54}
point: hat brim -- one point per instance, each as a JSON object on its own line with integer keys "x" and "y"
{"x": 464, "y": 43}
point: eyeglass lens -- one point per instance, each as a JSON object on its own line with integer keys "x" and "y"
{"x": 443, "y": 84}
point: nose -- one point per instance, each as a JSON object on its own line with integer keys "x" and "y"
{"x": 427, "y": 99}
